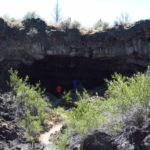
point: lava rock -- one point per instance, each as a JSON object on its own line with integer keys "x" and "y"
{"x": 146, "y": 143}
{"x": 134, "y": 138}
{"x": 98, "y": 141}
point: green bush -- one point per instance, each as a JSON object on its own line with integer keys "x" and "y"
{"x": 62, "y": 141}
{"x": 85, "y": 116}
{"x": 122, "y": 95}
{"x": 128, "y": 91}
{"x": 101, "y": 25}
{"x": 80, "y": 119}
{"x": 30, "y": 104}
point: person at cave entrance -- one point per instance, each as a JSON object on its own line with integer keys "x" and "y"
{"x": 58, "y": 90}
{"x": 75, "y": 84}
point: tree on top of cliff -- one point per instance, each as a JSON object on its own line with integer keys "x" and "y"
{"x": 124, "y": 21}
{"x": 57, "y": 16}
{"x": 2, "y": 23}
{"x": 75, "y": 25}
{"x": 68, "y": 24}
{"x": 12, "y": 22}
{"x": 32, "y": 21}
{"x": 3, "y": 26}
{"x": 31, "y": 15}
{"x": 101, "y": 25}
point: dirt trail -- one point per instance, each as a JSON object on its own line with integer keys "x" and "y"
{"x": 44, "y": 138}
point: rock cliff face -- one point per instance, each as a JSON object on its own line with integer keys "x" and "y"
{"x": 57, "y": 57}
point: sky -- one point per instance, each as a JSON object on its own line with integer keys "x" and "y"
{"x": 87, "y": 12}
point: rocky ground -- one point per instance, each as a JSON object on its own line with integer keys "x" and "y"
{"x": 131, "y": 138}
{"x": 13, "y": 137}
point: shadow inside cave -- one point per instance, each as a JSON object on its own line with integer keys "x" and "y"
{"x": 62, "y": 70}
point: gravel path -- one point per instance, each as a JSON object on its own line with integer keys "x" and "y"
{"x": 45, "y": 137}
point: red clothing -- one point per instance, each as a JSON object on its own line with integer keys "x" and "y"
{"x": 58, "y": 89}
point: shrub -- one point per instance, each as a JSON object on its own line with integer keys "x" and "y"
{"x": 128, "y": 91}
{"x": 69, "y": 24}
{"x": 85, "y": 116}
{"x": 12, "y": 22}
{"x": 122, "y": 96}
{"x": 75, "y": 25}
{"x": 30, "y": 104}
{"x": 101, "y": 25}
{"x": 32, "y": 23}
{"x": 3, "y": 26}
{"x": 137, "y": 115}
{"x": 123, "y": 21}
{"x": 62, "y": 141}
{"x": 81, "y": 119}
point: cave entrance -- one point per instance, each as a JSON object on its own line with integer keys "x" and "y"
{"x": 61, "y": 70}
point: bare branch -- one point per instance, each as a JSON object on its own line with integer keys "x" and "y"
{"x": 57, "y": 13}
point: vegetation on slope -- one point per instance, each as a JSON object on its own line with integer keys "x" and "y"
{"x": 124, "y": 95}
{"x": 31, "y": 105}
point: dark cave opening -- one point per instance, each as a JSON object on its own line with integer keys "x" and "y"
{"x": 62, "y": 70}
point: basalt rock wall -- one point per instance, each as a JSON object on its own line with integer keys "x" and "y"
{"x": 56, "y": 56}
